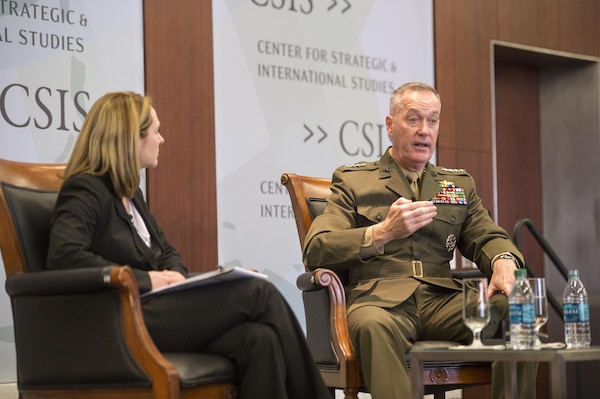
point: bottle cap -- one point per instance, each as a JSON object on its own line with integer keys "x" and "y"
{"x": 521, "y": 273}
{"x": 574, "y": 273}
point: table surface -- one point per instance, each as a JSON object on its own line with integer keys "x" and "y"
{"x": 542, "y": 355}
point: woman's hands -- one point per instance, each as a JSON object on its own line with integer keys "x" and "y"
{"x": 164, "y": 277}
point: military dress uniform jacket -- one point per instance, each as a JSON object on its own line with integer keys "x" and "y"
{"x": 361, "y": 196}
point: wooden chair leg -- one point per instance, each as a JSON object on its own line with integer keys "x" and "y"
{"x": 350, "y": 393}
{"x": 439, "y": 395}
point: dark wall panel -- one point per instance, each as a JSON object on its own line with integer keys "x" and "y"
{"x": 179, "y": 76}
{"x": 464, "y": 30}
{"x": 518, "y": 142}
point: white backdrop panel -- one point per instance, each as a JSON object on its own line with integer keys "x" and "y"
{"x": 302, "y": 86}
{"x": 56, "y": 59}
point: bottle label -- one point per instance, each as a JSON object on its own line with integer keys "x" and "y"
{"x": 528, "y": 313}
{"x": 584, "y": 312}
{"x": 521, "y": 313}
{"x": 576, "y": 312}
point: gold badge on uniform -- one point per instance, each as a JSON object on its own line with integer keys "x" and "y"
{"x": 450, "y": 194}
{"x": 450, "y": 243}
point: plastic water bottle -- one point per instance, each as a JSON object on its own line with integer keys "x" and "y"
{"x": 576, "y": 313}
{"x": 522, "y": 313}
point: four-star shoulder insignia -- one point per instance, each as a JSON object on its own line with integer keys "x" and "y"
{"x": 448, "y": 170}
{"x": 362, "y": 165}
{"x": 355, "y": 165}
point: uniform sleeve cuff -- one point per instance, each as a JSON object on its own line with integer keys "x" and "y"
{"x": 368, "y": 248}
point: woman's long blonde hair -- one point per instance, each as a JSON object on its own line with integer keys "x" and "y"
{"x": 109, "y": 140}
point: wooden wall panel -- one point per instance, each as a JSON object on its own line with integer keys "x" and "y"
{"x": 179, "y": 77}
{"x": 518, "y": 140}
{"x": 477, "y": 21}
{"x": 462, "y": 57}
{"x": 579, "y": 26}
{"x": 537, "y": 14}
{"x": 463, "y": 32}
{"x": 446, "y": 87}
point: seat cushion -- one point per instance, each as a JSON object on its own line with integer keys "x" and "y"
{"x": 200, "y": 368}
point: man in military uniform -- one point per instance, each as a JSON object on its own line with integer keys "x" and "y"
{"x": 395, "y": 224}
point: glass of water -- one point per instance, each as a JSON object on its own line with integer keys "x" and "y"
{"x": 538, "y": 287}
{"x": 476, "y": 308}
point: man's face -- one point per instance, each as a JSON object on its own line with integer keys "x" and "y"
{"x": 414, "y": 128}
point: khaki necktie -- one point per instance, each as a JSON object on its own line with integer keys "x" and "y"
{"x": 413, "y": 179}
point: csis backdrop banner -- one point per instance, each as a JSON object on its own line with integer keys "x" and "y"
{"x": 302, "y": 86}
{"x": 56, "y": 59}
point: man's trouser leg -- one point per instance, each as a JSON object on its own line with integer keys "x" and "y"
{"x": 382, "y": 337}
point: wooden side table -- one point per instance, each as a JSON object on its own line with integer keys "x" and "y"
{"x": 557, "y": 359}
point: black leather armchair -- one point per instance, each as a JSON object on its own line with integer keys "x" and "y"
{"x": 80, "y": 333}
{"x": 72, "y": 329}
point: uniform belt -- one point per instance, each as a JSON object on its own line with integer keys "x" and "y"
{"x": 399, "y": 269}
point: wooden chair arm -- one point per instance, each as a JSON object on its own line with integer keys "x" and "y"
{"x": 163, "y": 374}
{"x": 326, "y": 279}
{"x": 339, "y": 321}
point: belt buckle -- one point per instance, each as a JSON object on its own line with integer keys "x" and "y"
{"x": 417, "y": 268}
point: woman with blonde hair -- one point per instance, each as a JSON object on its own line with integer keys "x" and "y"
{"x": 101, "y": 219}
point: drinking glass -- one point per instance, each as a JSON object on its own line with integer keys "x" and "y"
{"x": 476, "y": 308}
{"x": 538, "y": 288}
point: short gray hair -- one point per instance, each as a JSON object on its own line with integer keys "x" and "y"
{"x": 396, "y": 97}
